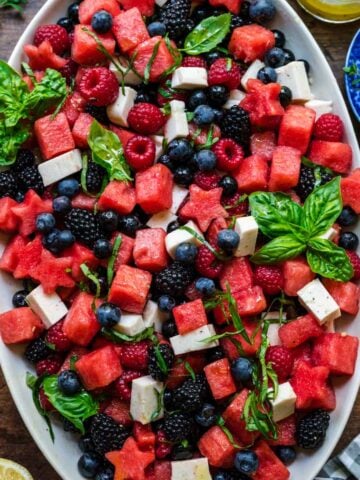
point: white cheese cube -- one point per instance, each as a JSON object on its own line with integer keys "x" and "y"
{"x": 252, "y": 72}
{"x": 330, "y": 234}
{"x": 177, "y": 106}
{"x": 119, "y": 110}
{"x": 284, "y": 404}
{"x": 159, "y": 145}
{"x": 189, "y": 78}
{"x": 273, "y": 334}
{"x": 153, "y": 316}
{"x": 130, "y": 324}
{"x": 197, "y": 469}
{"x": 178, "y": 196}
{"x": 194, "y": 340}
{"x": 318, "y": 301}
{"x": 60, "y": 167}
{"x": 320, "y": 106}
{"x": 49, "y": 307}
{"x": 176, "y": 126}
{"x": 161, "y": 219}
{"x": 123, "y": 73}
{"x": 175, "y": 238}
{"x": 293, "y": 75}
{"x": 248, "y": 229}
{"x": 234, "y": 99}
{"x": 144, "y": 403}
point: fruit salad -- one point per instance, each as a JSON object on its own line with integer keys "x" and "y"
{"x": 179, "y": 209}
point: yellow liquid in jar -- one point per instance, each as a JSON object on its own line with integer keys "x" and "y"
{"x": 333, "y": 10}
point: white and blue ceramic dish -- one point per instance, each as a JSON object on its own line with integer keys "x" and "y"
{"x": 352, "y": 79}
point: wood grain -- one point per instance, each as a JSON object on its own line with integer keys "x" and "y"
{"x": 15, "y": 441}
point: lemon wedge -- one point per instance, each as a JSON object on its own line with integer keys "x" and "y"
{"x": 13, "y": 471}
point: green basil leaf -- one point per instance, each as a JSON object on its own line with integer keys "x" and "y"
{"x": 35, "y": 384}
{"x": 276, "y": 214}
{"x": 329, "y": 260}
{"x": 279, "y": 249}
{"x": 11, "y": 139}
{"x": 207, "y": 35}
{"x": 322, "y": 208}
{"x": 46, "y": 94}
{"x": 115, "y": 251}
{"x": 118, "y": 337}
{"x": 76, "y": 408}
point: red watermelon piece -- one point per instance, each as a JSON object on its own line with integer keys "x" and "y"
{"x": 179, "y": 373}
{"x": 123, "y": 134}
{"x": 297, "y": 274}
{"x": 345, "y": 294}
{"x": 20, "y": 325}
{"x": 119, "y": 411}
{"x": 334, "y": 155}
{"x": 28, "y": 258}
{"x": 219, "y": 378}
{"x": 130, "y": 30}
{"x": 87, "y": 8}
{"x": 233, "y": 416}
{"x": 232, "y": 5}
{"x": 190, "y": 316}
{"x": 251, "y": 42}
{"x": 296, "y": 127}
{"x": 285, "y": 169}
{"x": 27, "y": 211}
{"x": 10, "y": 256}
{"x": 130, "y": 461}
{"x": 43, "y": 57}
{"x": 149, "y": 249}
{"x": 251, "y": 301}
{"x": 146, "y": 7}
{"x": 336, "y": 351}
{"x": 270, "y": 467}
{"x": 118, "y": 196}
{"x": 286, "y": 430}
{"x": 84, "y": 49}
{"x": 263, "y": 144}
{"x": 236, "y": 274}
{"x": 299, "y": 331}
{"x": 154, "y": 188}
{"x": 8, "y": 220}
{"x": 80, "y": 254}
{"x": 125, "y": 254}
{"x": 53, "y": 272}
{"x": 163, "y": 61}
{"x": 162, "y": 470}
{"x": 144, "y": 436}
{"x": 247, "y": 349}
{"x": 130, "y": 288}
{"x": 215, "y": 227}
{"x": 53, "y": 135}
{"x": 80, "y": 324}
{"x": 73, "y": 106}
{"x": 81, "y": 130}
{"x": 350, "y": 190}
{"x": 99, "y": 368}
{"x": 253, "y": 174}
{"x": 83, "y": 201}
{"x": 216, "y": 446}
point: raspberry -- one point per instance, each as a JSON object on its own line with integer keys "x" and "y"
{"x": 207, "y": 180}
{"x": 224, "y": 71}
{"x": 49, "y": 366}
{"x": 123, "y": 384}
{"x": 235, "y": 205}
{"x": 270, "y": 278}
{"x": 135, "y": 355}
{"x": 99, "y": 86}
{"x": 140, "y": 152}
{"x": 55, "y": 336}
{"x": 146, "y": 118}
{"x": 282, "y": 361}
{"x": 44, "y": 401}
{"x": 55, "y": 34}
{"x": 194, "y": 62}
{"x": 229, "y": 154}
{"x": 329, "y": 127}
{"x": 355, "y": 262}
{"x": 206, "y": 263}
{"x": 163, "y": 451}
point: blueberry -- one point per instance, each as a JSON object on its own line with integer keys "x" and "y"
{"x": 108, "y": 315}
{"x": 180, "y": 150}
{"x": 50, "y": 241}
{"x": 61, "y": 204}
{"x": 86, "y": 444}
{"x": 166, "y": 303}
{"x": 66, "y": 23}
{"x": 286, "y": 454}
{"x": 218, "y": 95}
{"x": 242, "y": 369}
{"x": 205, "y": 286}
{"x": 89, "y": 464}
{"x": 143, "y": 97}
{"x": 197, "y": 98}
{"x": 206, "y": 417}
{"x": 69, "y": 382}
{"x": 285, "y": 96}
{"x": 102, "y": 21}
{"x": 214, "y": 354}
{"x": 165, "y": 160}
{"x": 349, "y": 241}
{"x": 218, "y": 115}
{"x": 306, "y": 63}
{"x": 19, "y": 298}
{"x": 262, "y": 11}
{"x": 73, "y": 12}
{"x": 169, "y": 329}
{"x": 347, "y": 217}
{"x": 108, "y": 221}
{"x": 229, "y": 185}
{"x": 186, "y": 253}
{"x": 227, "y": 475}
{"x": 183, "y": 176}
{"x": 102, "y": 248}
{"x": 182, "y": 452}
{"x": 211, "y": 57}
{"x": 275, "y": 57}
{"x": 228, "y": 239}
{"x": 203, "y": 115}
{"x": 267, "y": 75}
{"x": 246, "y": 462}
{"x": 280, "y": 38}
{"x": 129, "y": 224}
{"x": 174, "y": 225}
{"x": 106, "y": 474}
{"x": 205, "y": 159}
{"x": 156, "y": 28}
{"x": 200, "y": 13}
{"x": 45, "y": 222}
{"x": 68, "y": 187}
{"x": 289, "y": 56}
{"x": 65, "y": 239}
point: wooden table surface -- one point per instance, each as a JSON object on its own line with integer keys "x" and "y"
{"x": 15, "y": 441}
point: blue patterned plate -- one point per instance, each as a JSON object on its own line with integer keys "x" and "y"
{"x": 352, "y": 75}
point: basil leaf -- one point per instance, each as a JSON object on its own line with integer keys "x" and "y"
{"x": 276, "y": 214}
{"x": 46, "y": 94}
{"x": 76, "y": 408}
{"x": 35, "y": 384}
{"x": 279, "y": 249}
{"x": 118, "y": 337}
{"x": 207, "y": 35}
{"x": 11, "y": 139}
{"x": 329, "y": 260}
{"x": 115, "y": 251}
{"x": 108, "y": 152}
{"x": 322, "y": 208}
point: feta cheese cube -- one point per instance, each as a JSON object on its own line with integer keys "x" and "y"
{"x": 197, "y": 469}
{"x": 153, "y": 316}
{"x": 159, "y": 145}
{"x": 49, "y": 307}
{"x": 175, "y": 238}
{"x": 320, "y": 106}
{"x": 252, "y": 72}
{"x": 130, "y": 324}
{"x": 60, "y": 167}
{"x": 161, "y": 219}
{"x": 248, "y": 229}
{"x": 330, "y": 234}
{"x": 235, "y": 98}
{"x": 178, "y": 196}
{"x": 318, "y": 301}
{"x": 177, "y": 106}
{"x": 123, "y": 73}
{"x": 119, "y": 110}
{"x": 189, "y": 78}
{"x": 194, "y": 340}
{"x": 284, "y": 404}
{"x": 176, "y": 126}
{"x": 144, "y": 401}
{"x": 294, "y": 76}
{"x": 273, "y": 334}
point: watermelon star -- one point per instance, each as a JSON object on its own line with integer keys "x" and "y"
{"x": 204, "y": 206}
{"x": 130, "y": 462}
{"x": 52, "y": 272}
{"x": 28, "y": 210}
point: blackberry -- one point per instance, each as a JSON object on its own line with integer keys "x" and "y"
{"x": 175, "y": 16}
{"x": 8, "y": 184}
{"x": 94, "y": 177}
{"x": 235, "y": 124}
{"x": 99, "y": 113}
{"x": 161, "y": 359}
{"x": 30, "y": 178}
{"x": 106, "y": 434}
{"x": 308, "y": 180}
{"x": 191, "y": 394}
{"x": 24, "y": 158}
{"x": 311, "y": 429}
{"x": 174, "y": 279}
{"x": 84, "y": 225}
{"x": 177, "y": 426}
{"x": 37, "y": 350}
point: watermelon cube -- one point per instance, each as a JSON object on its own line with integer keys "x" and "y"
{"x": 237, "y": 275}
{"x": 80, "y": 254}
{"x": 20, "y": 325}
{"x": 270, "y": 467}
{"x": 144, "y": 436}
{"x": 81, "y": 130}
{"x": 236, "y": 346}
{"x": 154, "y": 189}
{"x": 8, "y": 220}
{"x": 297, "y": 274}
{"x": 232, "y": 5}
{"x": 216, "y": 446}
{"x": 336, "y": 351}
{"x": 87, "y": 8}
{"x": 84, "y": 49}
{"x": 123, "y": 134}
{"x": 130, "y": 30}
{"x": 350, "y": 190}
{"x": 189, "y": 316}
{"x": 253, "y": 174}
{"x": 119, "y": 411}
{"x": 299, "y": 331}
{"x": 125, "y": 254}
{"x": 285, "y": 169}
{"x": 99, "y": 368}
{"x": 118, "y": 196}
{"x": 83, "y": 201}
{"x": 80, "y": 324}
{"x": 11, "y": 254}
{"x": 345, "y": 294}
{"x": 149, "y": 249}
{"x": 296, "y": 127}
{"x": 73, "y": 106}
{"x": 263, "y": 144}
{"x": 162, "y": 470}
{"x": 178, "y": 373}
{"x": 163, "y": 60}
{"x": 251, "y": 42}
{"x": 218, "y": 376}
{"x": 233, "y": 416}
{"x": 53, "y": 135}
{"x": 43, "y": 57}
{"x": 27, "y": 211}
{"x": 302, "y": 354}
{"x": 286, "y": 430}
{"x": 334, "y": 155}
{"x": 250, "y": 302}
{"x": 130, "y": 288}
